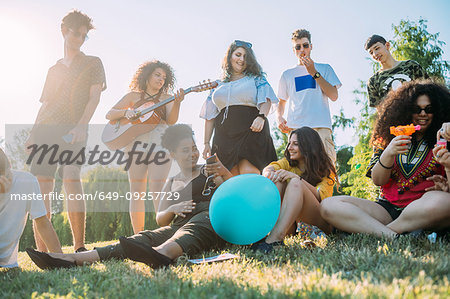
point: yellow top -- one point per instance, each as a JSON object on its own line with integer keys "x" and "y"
{"x": 325, "y": 187}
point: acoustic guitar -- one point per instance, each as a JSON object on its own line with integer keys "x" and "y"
{"x": 121, "y": 132}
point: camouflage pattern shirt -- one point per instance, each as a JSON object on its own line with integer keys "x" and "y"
{"x": 384, "y": 81}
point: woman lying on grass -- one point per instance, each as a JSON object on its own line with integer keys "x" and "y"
{"x": 190, "y": 232}
{"x": 304, "y": 177}
{"x": 410, "y": 177}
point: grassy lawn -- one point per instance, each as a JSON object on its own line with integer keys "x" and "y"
{"x": 354, "y": 266}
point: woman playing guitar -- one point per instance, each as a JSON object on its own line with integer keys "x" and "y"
{"x": 150, "y": 85}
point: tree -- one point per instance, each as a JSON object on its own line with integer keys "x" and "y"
{"x": 344, "y": 152}
{"x": 15, "y": 146}
{"x": 281, "y": 141}
{"x": 357, "y": 184}
{"x": 413, "y": 41}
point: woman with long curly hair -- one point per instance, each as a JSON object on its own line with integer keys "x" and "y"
{"x": 404, "y": 166}
{"x": 304, "y": 177}
{"x": 152, "y": 83}
{"x": 236, "y": 112}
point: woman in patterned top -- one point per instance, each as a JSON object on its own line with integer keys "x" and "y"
{"x": 236, "y": 112}
{"x": 404, "y": 166}
{"x": 304, "y": 177}
{"x": 151, "y": 84}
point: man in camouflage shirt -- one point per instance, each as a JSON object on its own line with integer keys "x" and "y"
{"x": 393, "y": 72}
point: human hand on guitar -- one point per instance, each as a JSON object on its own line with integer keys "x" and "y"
{"x": 117, "y": 133}
{"x": 179, "y": 96}
{"x": 131, "y": 114}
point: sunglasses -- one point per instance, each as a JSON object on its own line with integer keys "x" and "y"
{"x": 77, "y": 34}
{"x": 427, "y": 109}
{"x": 298, "y": 46}
{"x": 241, "y": 43}
{"x": 209, "y": 186}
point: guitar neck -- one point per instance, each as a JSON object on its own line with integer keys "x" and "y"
{"x": 166, "y": 101}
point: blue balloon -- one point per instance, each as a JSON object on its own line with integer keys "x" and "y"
{"x": 245, "y": 208}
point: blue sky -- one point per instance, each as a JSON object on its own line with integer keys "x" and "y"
{"x": 192, "y": 36}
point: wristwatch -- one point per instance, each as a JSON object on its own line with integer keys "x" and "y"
{"x": 317, "y": 75}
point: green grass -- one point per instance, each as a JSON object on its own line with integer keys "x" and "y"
{"x": 355, "y": 266}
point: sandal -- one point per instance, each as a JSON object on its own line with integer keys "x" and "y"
{"x": 265, "y": 247}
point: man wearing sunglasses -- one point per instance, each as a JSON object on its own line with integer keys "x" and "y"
{"x": 392, "y": 73}
{"x": 306, "y": 88}
{"x": 70, "y": 96}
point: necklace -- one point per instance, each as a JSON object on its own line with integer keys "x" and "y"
{"x": 150, "y": 97}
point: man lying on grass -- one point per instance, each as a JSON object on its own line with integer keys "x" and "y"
{"x": 190, "y": 232}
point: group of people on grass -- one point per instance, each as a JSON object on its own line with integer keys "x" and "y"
{"x": 411, "y": 170}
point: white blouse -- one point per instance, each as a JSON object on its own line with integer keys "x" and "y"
{"x": 247, "y": 91}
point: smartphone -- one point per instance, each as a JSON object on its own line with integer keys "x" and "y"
{"x": 68, "y": 138}
{"x": 212, "y": 159}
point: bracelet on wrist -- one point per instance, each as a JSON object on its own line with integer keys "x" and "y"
{"x": 385, "y": 167}
{"x": 262, "y": 115}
